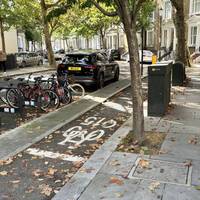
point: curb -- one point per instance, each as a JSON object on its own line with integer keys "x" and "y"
{"x": 73, "y": 189}
{"x": 24, "y": 130}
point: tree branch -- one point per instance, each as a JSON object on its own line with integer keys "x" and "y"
{"x": 53, "y": 4}
{"x": 110, "y": 14}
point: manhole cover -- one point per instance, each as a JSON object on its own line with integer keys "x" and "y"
{"x": 162, "y": 171}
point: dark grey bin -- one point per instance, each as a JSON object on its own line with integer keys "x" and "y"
{"x": 11, "y": 61}
{"x": 178, "y": 74}
{"x": 159, "y": 88}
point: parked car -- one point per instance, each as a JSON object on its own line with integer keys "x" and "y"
{"x": 90, "y": 67}
{"x": 59, "y": 55}
{"x": 28, "y": 58}
{"x": 114, "y": 54}
{"x": 147, "y": 56}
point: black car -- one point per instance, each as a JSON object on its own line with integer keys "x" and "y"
{"x": 90, "y": 67}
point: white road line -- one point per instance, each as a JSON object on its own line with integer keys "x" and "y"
{"x": 49, "y": 154}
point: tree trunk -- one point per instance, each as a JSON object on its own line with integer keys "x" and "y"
{"x": 2, "y": 36}
{"x": 136, "y": 85}
{"x": 103, "y": 39}
{"x": 182, "y": 53}
{"x": 87, "y": 43}
{"x": 47, "y": 35}
{"x": 136, "y": 82}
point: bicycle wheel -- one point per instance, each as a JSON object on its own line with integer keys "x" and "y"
{"x": 77, "y": 91}
{"x": 64, "y": 95}
{"x": 48, "y": 100}
{"x": 3, "y": 96}
{"x": 13, "y": 98}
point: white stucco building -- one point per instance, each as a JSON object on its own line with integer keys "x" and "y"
{"x": 14, "y": 41}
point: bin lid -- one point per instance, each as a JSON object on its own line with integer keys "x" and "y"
{"x": 159, "y": 68}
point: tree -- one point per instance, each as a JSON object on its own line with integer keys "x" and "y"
{"x": 129, "y": 12}
{"x": 6, "y": 18}
{"x": 182, "y": 52}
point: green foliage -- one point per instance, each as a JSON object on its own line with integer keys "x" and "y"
{"x": 143, "y": 18}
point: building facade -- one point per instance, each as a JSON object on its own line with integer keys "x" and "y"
{"x": 14, "y": 41}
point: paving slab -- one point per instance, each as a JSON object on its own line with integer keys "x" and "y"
{"x": 164, "y": 126}
{"x": 178, "y": 127}
{"x": 162, "y": 171}
{"x": 175, "y": 192}
{"x": 195, "y": 179}
{"x": 22, "y": 137}
{"x": 119, "y": 164}
{"x": 181, "y": 146}
{"x": 150, "y": 123}
{"x": 113, "y": 187}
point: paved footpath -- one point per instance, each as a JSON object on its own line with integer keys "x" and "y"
{"x": 26, "y": 70}
{"x": 172, "y": 175}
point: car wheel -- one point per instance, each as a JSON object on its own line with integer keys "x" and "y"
{"x": 100, "y": 81}
{"x": 116, "y": 77}
{"x": 23, "y": 64}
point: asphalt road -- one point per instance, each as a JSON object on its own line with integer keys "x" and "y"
{"x": 41, "y": 170}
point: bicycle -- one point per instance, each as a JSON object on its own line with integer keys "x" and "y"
{"x": 44, "y": 99}
{"x": 77, "y": 91}
{"x": 62, "y": 92}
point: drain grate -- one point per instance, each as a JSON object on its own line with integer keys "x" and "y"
{"x": 162, "y": 171}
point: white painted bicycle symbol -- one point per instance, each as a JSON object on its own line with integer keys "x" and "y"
{"x": 77, "y": 135}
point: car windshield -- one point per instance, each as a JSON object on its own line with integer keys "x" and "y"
{"x": 20, "y": 54}
{"x": 77, "y": 59}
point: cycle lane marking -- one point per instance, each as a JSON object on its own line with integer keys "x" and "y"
{"x": 49, "y": 154}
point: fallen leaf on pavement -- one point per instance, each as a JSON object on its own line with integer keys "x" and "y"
{"x": 154, "y": 185}
{"x": 116, "y": 180}
{"x": 119, "y": 195}
{"x": 193, "y": 140}
{"x": 6, "y": 162}
{"x": 15, "y": 182}
{"x": 37, "y": 172}
{"x": 188, "y": 163}
{"x": 3, "y": 173}
{"x": 114, "y": 163}
{"x": 45, "y": 189}
{"x": 52, "y": 171}
{"x": 29, "y": 190}
{"x": 143, "y": 163}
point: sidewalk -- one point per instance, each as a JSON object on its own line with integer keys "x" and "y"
{"x": 26, "y": 70}
{"x": 172, "y": 175}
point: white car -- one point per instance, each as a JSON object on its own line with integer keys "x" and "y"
{"x": 147, "y": 56}
{"x": 28, "y": 58}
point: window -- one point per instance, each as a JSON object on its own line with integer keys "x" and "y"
{"x": 150, "y": 38}
{"x": 165, "y": 38}
{"x": 195, "y": 7}
{"x": 168, "y": 10}
{"x": 193, "y": 35}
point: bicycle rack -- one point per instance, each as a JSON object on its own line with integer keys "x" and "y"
{"x": 11, "y": 84}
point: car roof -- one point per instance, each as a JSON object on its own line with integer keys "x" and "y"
{"x": 87, "y": 53}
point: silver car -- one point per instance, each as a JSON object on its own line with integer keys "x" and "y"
{"x": 28, "y": 59}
